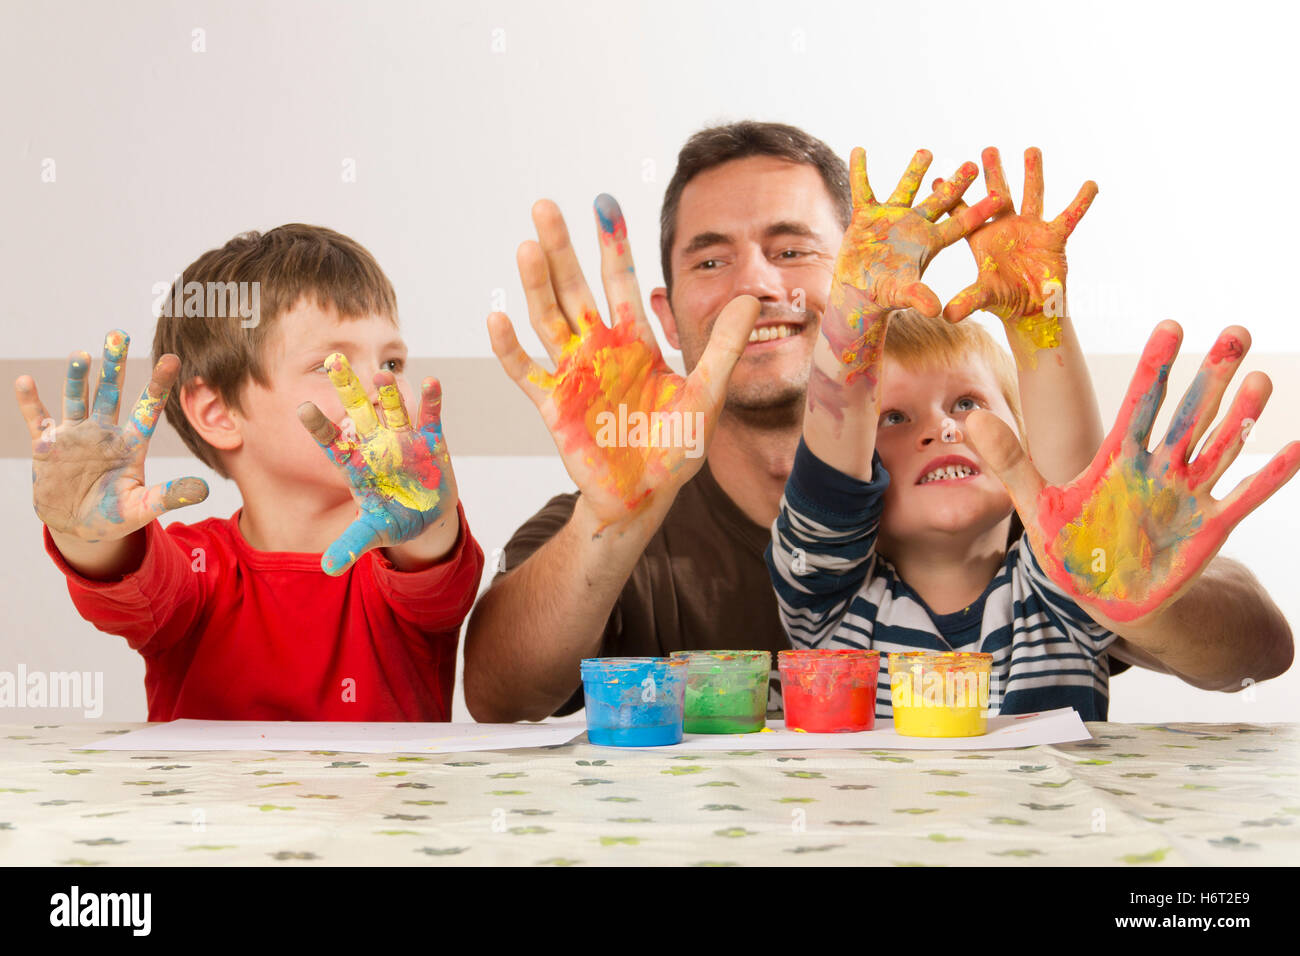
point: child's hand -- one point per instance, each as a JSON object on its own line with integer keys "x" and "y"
{"x": 611, "y": 384}
{"x": 88, "y": 472}
{"x": 1130, "y": 534}
{"x": 885, "y": 251}
{"x": 401, "y": 476}
{"x": 1021, "y": 259}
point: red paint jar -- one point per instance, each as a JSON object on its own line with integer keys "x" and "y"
{"x": 829, "y": 691}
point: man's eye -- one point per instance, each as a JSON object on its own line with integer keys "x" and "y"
{"x": 966, "y": 404}
{"x": 708, "y": 264}
{"x": 792, "y": 253}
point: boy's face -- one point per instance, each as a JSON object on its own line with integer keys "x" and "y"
{"x": 913, "y": 407}
{"x": 275, "y": 441}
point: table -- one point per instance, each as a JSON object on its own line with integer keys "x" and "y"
{"x": 1135, "y": 795}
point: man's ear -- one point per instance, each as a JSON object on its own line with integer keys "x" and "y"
{"x": 210, "y": 416}
{"x": 663, "y": 308}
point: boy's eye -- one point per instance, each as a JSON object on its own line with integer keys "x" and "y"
{"x": 966, "y": 404}
{"x": 892, "y": 418}
{"x": 397, "y": 365}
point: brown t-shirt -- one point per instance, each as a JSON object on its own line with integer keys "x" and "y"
{"x": 702, "y": 582}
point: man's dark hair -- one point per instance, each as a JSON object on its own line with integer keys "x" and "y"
{"x": 721, "y": 144}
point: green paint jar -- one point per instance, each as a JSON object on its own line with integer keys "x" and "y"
{"x": 726, "y": 691}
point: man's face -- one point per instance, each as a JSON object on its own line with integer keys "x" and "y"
{"x": 765, "y": 227}
{"x": 924, "y": 498}
{"x": 274, "y": 440}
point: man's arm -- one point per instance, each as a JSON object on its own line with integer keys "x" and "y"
{"x": 1223, "y": 634}
{"x": 530, "y": 629}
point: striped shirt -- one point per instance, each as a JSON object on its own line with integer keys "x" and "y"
{"x": 834, "y": 591}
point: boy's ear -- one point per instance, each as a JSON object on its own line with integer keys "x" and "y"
{"x": 663, "y": 308}
{"x": 209, "y": 415}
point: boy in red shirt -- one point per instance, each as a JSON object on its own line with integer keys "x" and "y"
{"x": 337, "y": 591}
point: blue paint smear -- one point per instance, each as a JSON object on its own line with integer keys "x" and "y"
{"x": 608, "y": 212}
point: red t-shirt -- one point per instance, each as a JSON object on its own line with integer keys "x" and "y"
{"x": 231, "y": 633}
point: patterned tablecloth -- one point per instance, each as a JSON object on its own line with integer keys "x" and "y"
{"x": 1136, "y": 795}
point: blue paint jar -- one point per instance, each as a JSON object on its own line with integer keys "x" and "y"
{"x": 634, "y": 701}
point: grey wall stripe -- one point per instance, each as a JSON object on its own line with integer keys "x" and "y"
{"x": 484, "y": 413}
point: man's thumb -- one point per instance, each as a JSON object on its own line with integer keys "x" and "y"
{"x": 1000, "y": 451}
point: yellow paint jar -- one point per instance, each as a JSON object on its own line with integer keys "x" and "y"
{"x": 940, "y": 693}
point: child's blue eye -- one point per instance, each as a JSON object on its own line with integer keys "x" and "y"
{"x": 966, "y": 404}
{"x": 892, "y": 418}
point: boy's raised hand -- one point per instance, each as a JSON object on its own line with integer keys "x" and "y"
{"x": 1131, "y": 534}
{"x": 88, "y": 471}
{"x": 886, "y": 250}
{"x": 400, "y": 473}
{"x": 1021, "y": 259}
{"x": 609, "y": 377}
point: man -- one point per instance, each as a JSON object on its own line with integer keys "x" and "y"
{"x": 674, "y": 559}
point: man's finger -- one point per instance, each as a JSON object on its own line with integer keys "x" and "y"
{"x": 108, "y": 395}
{"x": 535, "y": 381}
{"x": 726, "y": 345}
{"x": 571, "y": 289}
{"x": 995, "y": 180}
{"x": 33, "y": 409}
{"x": 355, "y": 541}
{"x": 617, "y": 272}
{"x": 1146, "y": 390}
{"x": 1255, "y": 490}
{"x": 970, "y": 299}
{"x": 544, "y": 312}
{"x": 1069, "y": 218}
{"x": 354, "y": 398}
{"x": 962, "y": 222}
{"x": 1032, "y": 204}
{"x": 1224, "y": 445}
{"x": 390, "y": 401}
{"x": 948, "y": 193}
{"x": 148, "y": 408}
{"x": 1201, "y": 401}
{"x": 75, "y": 386}
{"x": 919, "y": 296}
{"x": 1001, "y": 453}
{"x": 858, "y": 185}
{"x": 906, "y": 189}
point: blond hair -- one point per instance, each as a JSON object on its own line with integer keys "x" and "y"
{"x": 287, "y": 263}
{"x": 918, "y": 343}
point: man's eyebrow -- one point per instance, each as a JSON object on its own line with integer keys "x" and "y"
{"x": 788, "y": 227}
{"x": 703, "y": 240}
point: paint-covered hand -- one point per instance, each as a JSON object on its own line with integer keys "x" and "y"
{"x": 886, "y": 250}
{"x": 1132, "y": 532}
{"x": 1021, "y": 259}
{"x": 400, "y": 474}
{"x": 627, "y": 426}
{"x": 87, "y": 471}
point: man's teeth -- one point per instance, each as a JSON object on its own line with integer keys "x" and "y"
{"x": 952, "y": 471}
{"x": 769, "y": 332}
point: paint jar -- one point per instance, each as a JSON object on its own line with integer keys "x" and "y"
{"x": 829, "y": 691}
{"x": 726, "y": 691}
{"x": 634, "y": 701}
{"x": 940, "y": 694}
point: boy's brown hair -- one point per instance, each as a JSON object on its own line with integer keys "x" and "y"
{"x": 286, "y": 263}
{"x": 917, "y": 343}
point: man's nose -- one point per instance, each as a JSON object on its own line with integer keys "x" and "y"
{"x": 756, "y": 275}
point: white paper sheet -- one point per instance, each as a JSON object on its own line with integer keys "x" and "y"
{"x": 1023, "y": 730}
{"x": 341, "y": 736}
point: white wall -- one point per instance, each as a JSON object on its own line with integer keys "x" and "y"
{"x": 458, "y": 116}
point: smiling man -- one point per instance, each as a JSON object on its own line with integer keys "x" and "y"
{"x": 754, "y": 211}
